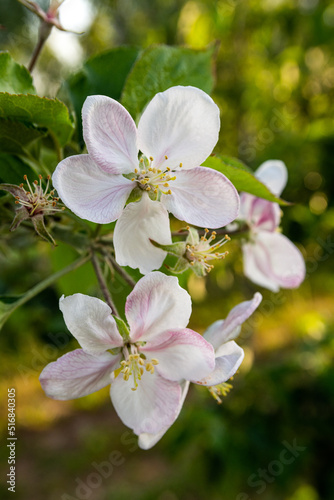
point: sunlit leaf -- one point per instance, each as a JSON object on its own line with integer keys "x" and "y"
{"x": 241, "y": 177}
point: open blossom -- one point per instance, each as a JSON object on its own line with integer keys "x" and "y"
{"x": 144, "y": 366}
{"x": 158, "y": 163}
{"x": 270, "y": 258}
{"x": 228, "y": 357}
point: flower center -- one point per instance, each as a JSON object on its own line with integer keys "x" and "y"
{"x": 37, "y": 200}
{"x": 135, "y": 364}
{"x": 149, "y": 178}
{"x": 202, "y": 252}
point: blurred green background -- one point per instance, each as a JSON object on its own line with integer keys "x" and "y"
{"x": 274, "y": 85}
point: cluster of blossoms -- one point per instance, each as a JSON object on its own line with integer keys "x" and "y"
{"x": 151, "y": 361}
{"x": 136, "y": 176}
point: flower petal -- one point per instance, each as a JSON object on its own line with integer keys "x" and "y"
{"x": 181, "y": 123}
{"x": 274, "y": 261}
{"x": 286, "y": 264}
{"x": 227, "y": 363}
{"x": 182, "y": 354}
{"x": 252, "y": 252}
{"x": 110, "y": 134}
{"x": 139, "y": 222}
{"x": 150, "y": 408}
{"x": 260, "y": 214}
{"x": 77, "y": 374}
{"x": 223, "y": 331}
{"x": 147, "y": 441}
{"x": 274, "y": 174}
{"x": 157, "y": 303}
{"x": 88, "y": 191}
{"x": 90, "y": 322}
{"x": 202, "y": 197}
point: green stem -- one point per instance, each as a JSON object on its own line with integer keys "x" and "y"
{"x": 42, "y": 286}
{"x": 58, "y": 148}
{"x": 44, "y": 32}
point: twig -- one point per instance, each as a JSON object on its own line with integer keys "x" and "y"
{"x": 44, "y": 33}
{"x": 103, "y": 284}
{"x": 121, "y": 272}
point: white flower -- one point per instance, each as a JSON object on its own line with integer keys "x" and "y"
{"x": 145, "y": 366}
{"x": 176, "y": 133}
{"x": 221, "y": 335}
{"x": 228, "y": 358}
{"x": 270, "y": 258}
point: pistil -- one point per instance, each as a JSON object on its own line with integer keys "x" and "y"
{"x": 134, "y": 365}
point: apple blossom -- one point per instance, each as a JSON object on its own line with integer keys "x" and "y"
{"x": 228, "y": 358}
{"x": 176, "y": 133}
{"x": 270, "y": 258}
{"x": 143, "y": 365}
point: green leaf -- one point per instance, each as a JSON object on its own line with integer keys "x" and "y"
{"x": 14, "y": 78}
{"x": 12, "y": 169}
{"x": 16, "y": 136}
{"x": 103, "y": 74}
{"x": 35, "y": 111}
{"x": 162, "y": 67}
{"x": 241, "y": 177}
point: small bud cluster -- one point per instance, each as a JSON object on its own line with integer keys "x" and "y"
{"x": 36, "y": 200}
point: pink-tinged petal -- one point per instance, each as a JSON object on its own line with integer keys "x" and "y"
{"x": 285, "y": 263}
{"x": 77, "y": 374}
{"x": 274, "y": 262}
{"x": 90, "y": 322}
{"x": 140, "y": 222}
{"x": 181, "y": 123}
{"x": 147, "y": 441}
{"x": 274, "y": 174}
{"x": 157, "y": 303}
{"x": 224, "y": 330}
{"x": 182, "y": 354}
{"x": 150, "y": 408}
{"x": 90, "y": 192}
{"x": 260, "y": 214}
{"x": 110, "y": 134}
{"x": 202, "y": 197}
{"x": 252, "y": 252}
{"x": 229, "y": 358}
